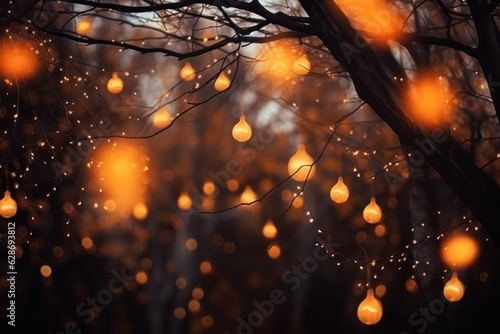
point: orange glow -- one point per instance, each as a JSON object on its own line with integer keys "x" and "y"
{"x": 222, "y": 82}
{"x": 121, "y": 171}
{"x": 184, "y": 202}
{"x": 301, "y": 163}
{"x": 205, "y": 267}
{"x": 459, "y": 251}
{"x": 17, "y": 60}
{"x": 191, "y": 244}
{"x": 194, "y": 305}
{"x": 87, "y": 243}
{"x": 427, "y": 100}
{"x": 375, "y": 18}
{"x": 248, "y": 195}
{"x": 83, "y": 26}
{"x": 198, "y": 293}
{"x": 45, "y": 270}
{"x": 454, "y": 289}
{"x": 269, "y": 230}
{"x": 8, "y": 206}
{"x": 283, "y": 60}
{"x": 370, "y": 309}
{"x": 140, "y": 211}
{"x": 141, "y": 277}
{"x": 274, "y": 251}
{"x": 372, "y": 213}
{"x": 162, "y": 118}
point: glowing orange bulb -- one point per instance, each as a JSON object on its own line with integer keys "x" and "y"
{"x": 269, "y": 230}
{"x": 301, "y": 65}
{"x": 301, "y": 163}
{"x": 242, "y": 131}
{"x": 454, "y": 289}
{"x": 459, "y": 251}
{"x": 8, "y": 206}
{"x": 248, "y": 195}
{"x": 162, "y": 118}
{"x": 184, "y": 201}
{"x": 222, "y": 82}
{"x": 426, "y": 100}
{"x": 115, "y": 84}
{"x": 83, "y": 26}
{"x": 370, "y": 309}
{"x": 17, "y": 60}
{"x": 140, "y": 211}
{"x": 339, "y": 192}
{"x": 188, "y": 72}
{"x": 372, "y": 212}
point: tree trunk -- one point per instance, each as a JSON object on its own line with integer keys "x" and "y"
{"x": 474, "y": 187}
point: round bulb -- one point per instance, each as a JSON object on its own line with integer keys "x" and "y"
{"x": 370, "y": 309}
{"x": 372, "y": 212}
{"x": 459, "y": 251}
{"x": 339, "y": 192}
{"x": 162, "y": 118}
{"x": 83, "y": 26}
{"x": 454, "y": 289}
{"x": 140, "y": 211}
{"x": 188, "y": 72}
{"x": 8, "y": 206}
{"x": 301, "y": 65}
{"x": 222, "y": 82}
{"x": 115, "y": 84}
{"x": 242, "y": 131}
{"x": 184, "y": 202}
{"x": 300, "y": 162}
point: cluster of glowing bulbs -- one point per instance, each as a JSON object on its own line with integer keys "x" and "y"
{"x": 8, "y": 206}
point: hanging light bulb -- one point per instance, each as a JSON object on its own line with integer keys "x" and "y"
{"x": 8, "y": 206}
{"x": 454, "y": 289}
{"x": 248, "y": 195}
{"x": 242, "y": 131}
{"x": 370, "y": 309}
{"x": 269, "y": 230}
{"x": 184, "y": 202}
{"x": 301, "y": 65}
{"x": 162, "y": 118}
{"x": 301, "y": 160}
{"x": 339, "y": 192}
{"x": 372, "y": 212}
{"x": 115, "y": 84}
{"x": 222, "y": 82}
{"x": 188, "y": 72}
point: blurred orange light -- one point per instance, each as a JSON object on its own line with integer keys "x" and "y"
{"x": 459, "y": 251}
{"x": 45, "y": 270}
{"x": 269, "y": 230}
{"x": 140, "y": 211}
{"x": 274, "y": 251}
{"x": 17, "y": 60}
{"x": 87, "y": 243}
{"x": 205, "y": 267}
{"x": 376, "y": 18}
{"x": 141, "y": 277}
{"x": 426, "y": 100}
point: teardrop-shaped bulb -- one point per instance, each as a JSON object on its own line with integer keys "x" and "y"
{"x": 301, "y": 163}
{"x": 372, "y": 212}
{"x": 188, "y": 72}
{"x": 339, "y": 192}
{"x": 370, "y": 309}
{"x": 248, "y": 195}
{"x": 301, "y": 65}
{"x": 8, "y": 206}
{"x": 115, "y": 84}
{"x": 269, "y": 230}
{"x": 162, "y": 118}
{"x": 454, "y": 289}
{"x": 222, "y": 82}
{"x": 242, "y": 131}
